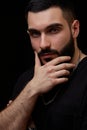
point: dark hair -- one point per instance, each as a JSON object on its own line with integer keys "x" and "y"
{"x": 66, "y": 6}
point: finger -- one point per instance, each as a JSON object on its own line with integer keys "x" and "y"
{"x": 59, "y": 60}
{"x": 37, "y": 61}
{"x": 60, "y": 74}
{"x": 61, "y": 80}
{"x": 66, "y": 66}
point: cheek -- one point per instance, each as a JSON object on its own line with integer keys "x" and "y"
{"x": 35, "y": 45}
{"x": 60, "y": 41}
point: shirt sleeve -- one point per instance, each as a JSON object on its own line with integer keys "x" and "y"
{"x": 21, "y": 83}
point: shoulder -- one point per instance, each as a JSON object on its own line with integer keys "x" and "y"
{"x": 82, "y": 66}
{"x": 22, "y": 81}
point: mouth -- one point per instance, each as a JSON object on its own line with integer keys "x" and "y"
{"x": 46, "y": 57}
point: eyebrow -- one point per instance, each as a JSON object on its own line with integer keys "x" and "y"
{"x": 58, "y": 25}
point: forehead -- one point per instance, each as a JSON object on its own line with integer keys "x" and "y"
{"x": 46, "y": 17}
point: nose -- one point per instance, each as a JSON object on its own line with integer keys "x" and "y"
{"x": 44, "y": 42}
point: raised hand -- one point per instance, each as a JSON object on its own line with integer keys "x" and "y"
{"x": 51, "y": 74}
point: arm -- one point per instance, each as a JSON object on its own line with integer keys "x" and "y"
{"x": 16, "y": 116}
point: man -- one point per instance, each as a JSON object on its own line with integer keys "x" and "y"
{"x": 54, "y": 92}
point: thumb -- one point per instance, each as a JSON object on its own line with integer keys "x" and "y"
{"x": 37, "y": 61}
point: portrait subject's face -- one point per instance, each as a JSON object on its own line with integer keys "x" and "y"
{"x": 50, "y": 34}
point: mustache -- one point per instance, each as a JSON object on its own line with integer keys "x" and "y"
{"x": 50, "y": 51}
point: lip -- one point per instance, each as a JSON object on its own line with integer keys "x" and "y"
{"x": 47, "y": 54}
{"x": 47, "y": 57}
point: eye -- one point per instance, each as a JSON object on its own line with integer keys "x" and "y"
{"x": 53, "y": 30}
{"x": 34, "y": 33}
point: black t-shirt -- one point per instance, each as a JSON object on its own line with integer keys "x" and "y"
{"x": 68, "y": 110}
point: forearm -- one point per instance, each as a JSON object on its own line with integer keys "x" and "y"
{"x": 16, "y": 116}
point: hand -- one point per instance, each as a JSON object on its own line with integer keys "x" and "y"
{"x": 51, "y": 74}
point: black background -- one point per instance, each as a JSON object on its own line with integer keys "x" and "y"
{"x": 16, "y": 52}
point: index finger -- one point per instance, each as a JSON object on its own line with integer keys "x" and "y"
{"x": 58, "y": 60}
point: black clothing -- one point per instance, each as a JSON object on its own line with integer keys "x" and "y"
{"x": 69, "y": 108}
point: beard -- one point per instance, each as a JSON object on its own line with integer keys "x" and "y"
{"x": 68, "y": 50}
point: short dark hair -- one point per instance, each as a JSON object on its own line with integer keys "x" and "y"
{"x": 66, "y": 6}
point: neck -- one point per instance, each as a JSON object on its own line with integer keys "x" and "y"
{"x": 78, "y": 56}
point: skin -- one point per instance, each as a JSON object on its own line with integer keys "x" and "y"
{"x": 51, "y": 31}
{"x": 18, "y": 114}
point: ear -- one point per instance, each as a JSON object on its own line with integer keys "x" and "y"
{"x": 75, "y": 28}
